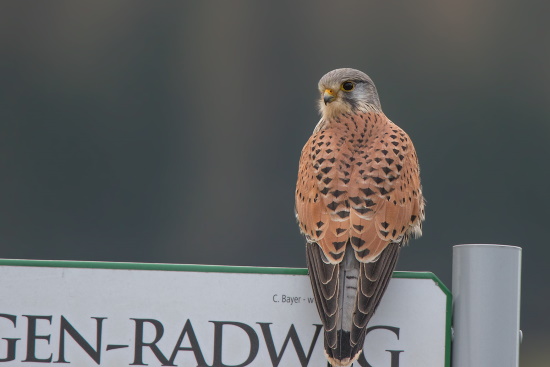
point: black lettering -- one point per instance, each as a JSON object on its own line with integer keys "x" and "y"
{"x": 116, "y": 346}
{"x": 252, "y": 337}
{"x": 188, "y": 330}
{"x": 66, "y": 326}
{"x": 32, "y": 338}
{"x": 140, "y": 344}
{"x": 10, "y": 353}
{"x": 394, "y": 353}
{"x": 292, "y": 335}
{"x": 395, "y": 357}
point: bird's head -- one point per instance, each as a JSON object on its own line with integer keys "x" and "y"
{"x": 347, "y": 91}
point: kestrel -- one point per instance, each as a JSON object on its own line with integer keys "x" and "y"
{"x": 358, "y": 200}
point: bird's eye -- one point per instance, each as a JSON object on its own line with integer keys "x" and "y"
{"x": 347, "y": 86}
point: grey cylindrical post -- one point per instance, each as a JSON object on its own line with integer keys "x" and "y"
{"x": 486, "y": 303}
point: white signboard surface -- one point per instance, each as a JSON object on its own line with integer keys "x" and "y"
{"x": 116, "y": 315}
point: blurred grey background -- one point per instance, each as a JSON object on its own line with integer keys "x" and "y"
{"x": 171, "y": 132}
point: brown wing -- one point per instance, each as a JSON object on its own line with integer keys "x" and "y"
{"x": 359, "y": 181}
{"x": 387, "y": 203}
{"x": 322, "y": 208}
{"x": 373, "y": 281}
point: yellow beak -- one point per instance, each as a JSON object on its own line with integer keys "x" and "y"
{"x": 328, "y": 96}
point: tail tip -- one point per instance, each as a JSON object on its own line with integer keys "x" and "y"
{"x": 346, "y": 362}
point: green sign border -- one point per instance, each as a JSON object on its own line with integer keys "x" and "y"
{"x": 230, "y": 269}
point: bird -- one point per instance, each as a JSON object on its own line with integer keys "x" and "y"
{"x": 358, "y": 201}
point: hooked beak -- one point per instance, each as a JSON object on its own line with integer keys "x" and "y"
{"x": 328, "y": 96}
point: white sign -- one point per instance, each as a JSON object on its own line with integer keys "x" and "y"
{"x": 114, "y": 315}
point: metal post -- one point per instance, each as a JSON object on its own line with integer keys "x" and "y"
{"x": 486, "y": 304}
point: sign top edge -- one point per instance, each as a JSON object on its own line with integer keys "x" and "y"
{"x": 192, "y": 268}
{"x": 150, "y": 266}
